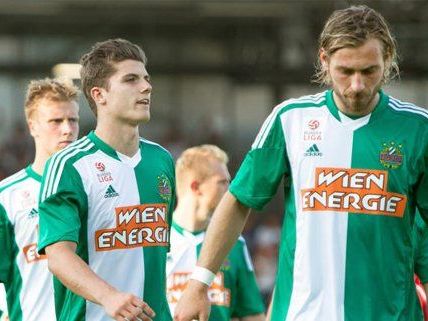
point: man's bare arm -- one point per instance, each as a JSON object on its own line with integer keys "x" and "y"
{"x": 224, "y": 229}
{"x": 254, "y": 317}
{"x": 76, "y": 275}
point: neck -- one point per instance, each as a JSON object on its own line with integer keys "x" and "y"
{"x": 191, "y": 216}
{"x": 122, "y": 137}
{"x": 40, "y": 159}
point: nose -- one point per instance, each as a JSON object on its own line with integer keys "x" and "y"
{"x": 67, "y": 128}
{"x": 146, "y": 86}
{"x": 357, "y": 83}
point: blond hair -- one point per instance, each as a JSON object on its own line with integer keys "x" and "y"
{"x": 351, "y": 28}
{"x": 51, "y": 89}
{"x": 198, "y": 160}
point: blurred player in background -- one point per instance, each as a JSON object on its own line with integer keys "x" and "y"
{"x": 106, "y": 200}
{"x": 52, "y": 115}
{"x": 202, "y": 179}
{"x": 358, "y": 163}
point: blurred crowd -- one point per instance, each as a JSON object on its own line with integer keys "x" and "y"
{"x": 262, "y": 232}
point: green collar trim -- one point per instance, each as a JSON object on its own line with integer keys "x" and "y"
{"x": 181, "y": 230}
{"x": 101, "y": 145}
{"x": 381, "y": 105}
{"x": 30, "y": 172}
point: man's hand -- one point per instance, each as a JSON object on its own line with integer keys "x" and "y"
{"x": 126, "y": 307}
{"x": 76, "y": 275}
{"x": 194, "y": 303}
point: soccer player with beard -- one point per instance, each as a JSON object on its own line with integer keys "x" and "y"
{"x": 357, "y": 160}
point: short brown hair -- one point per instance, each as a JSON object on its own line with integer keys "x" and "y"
{"x": 352, "y": 27}
{"x": 51, "y": 89}
{"x": 198, "y": 159}
{"x": 98, "y": 64}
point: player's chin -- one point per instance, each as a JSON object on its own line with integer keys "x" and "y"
{"x": 62, "y": 145}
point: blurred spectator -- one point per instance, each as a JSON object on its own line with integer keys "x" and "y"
{"x": 16, "y": 151}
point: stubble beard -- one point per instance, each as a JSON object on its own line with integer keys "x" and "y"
{"x": 359, "y": 104}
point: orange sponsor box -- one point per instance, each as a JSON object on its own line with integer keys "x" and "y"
{"x": 352, "y": 190}
{"x": 136, "y": 226}
{"x": 217, "y": 292}
{"x": 31, "y": 255}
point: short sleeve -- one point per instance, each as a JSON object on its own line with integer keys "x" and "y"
{"x": 6, "y": 245}
{"x": 422, "y": 188}
{"x": 263, "y": 167}
{"x": 248, "y": 298}
{"x": 421, "y": 249}
{"x": 62, "y": 202}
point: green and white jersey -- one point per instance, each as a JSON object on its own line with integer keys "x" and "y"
{"x": 233, "y": 293}
{"x": 117, "y": 209}
{"x": 24, "y": 273}
{"x": 346, "y": 249}
{"x": 3, "y": 304}
{"x": 421, "y": 249}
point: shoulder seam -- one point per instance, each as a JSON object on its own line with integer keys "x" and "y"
{"x": 407, "y": 107}
{"x": 13, "y": 179}
{"x": 316, "y": 99}
{"x": 143, "y": 140}
{"x": 58, "y": 162}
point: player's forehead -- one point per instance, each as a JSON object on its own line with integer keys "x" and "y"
{"x": 127, "y": 67}
{"x": 47, "y": 108}
{"x": 369, "y": 54}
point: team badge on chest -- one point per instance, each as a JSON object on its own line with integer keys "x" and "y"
{"x": 164, "y": 187}
{"x": 391, "y": 155}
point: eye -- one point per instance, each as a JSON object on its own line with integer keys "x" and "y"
{"x": 368, "y": 71}
{"x": 130, "y": 79}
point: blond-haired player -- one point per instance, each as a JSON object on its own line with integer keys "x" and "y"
{"x": 51, "y": 111}
{"x": 202, "y": 178}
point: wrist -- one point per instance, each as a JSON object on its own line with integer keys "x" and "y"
{"x": 202, "y": 275}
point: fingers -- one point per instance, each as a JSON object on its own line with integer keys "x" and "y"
{"x": 134, "y": 310}
{"x": 144, "y": 308}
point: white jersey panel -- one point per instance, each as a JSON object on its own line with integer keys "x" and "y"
{"x": 109, "y": 184}
{"x": 320, "y": 254}
{"x": 3, "y": 304}
{"x": 36, "y": 297}
{"x": 181, "y": 258}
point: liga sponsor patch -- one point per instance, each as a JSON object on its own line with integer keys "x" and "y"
{"x": 136, "y": 226}
{"x": 352, "y": 190}
{"x": 217, "y": 292}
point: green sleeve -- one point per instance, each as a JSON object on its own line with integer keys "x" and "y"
{"x": 263, "y": 167}
{"x": 248, "y": 298}
{"x": 421, "y": 249}
{"x": 6, "y": 245}
{"x": 62, "y": 207}
{"x": 422, "y": 187}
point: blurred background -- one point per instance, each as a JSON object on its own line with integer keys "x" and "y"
{"x": 217, "y": 67}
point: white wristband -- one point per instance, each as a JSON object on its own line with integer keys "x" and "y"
{"x": 203, "y": 275}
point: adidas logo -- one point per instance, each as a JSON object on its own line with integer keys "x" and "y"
{"x": 313, "y": 151}
{"x": 110, "y": 192}
{"x": 33, "y": 213}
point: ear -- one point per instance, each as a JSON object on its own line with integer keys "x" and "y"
{"x": 98, "y": 94}
{"x": 194, "y": 186}
{"x": 323, "y": 58}
{"x": 31, "y": 127}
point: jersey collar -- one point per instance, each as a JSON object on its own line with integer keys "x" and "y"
{"x": 101, "y": 145}
{"x": 30, "y": 172}
{"x": 381, "y": 105}
{"x": 183, "y": 231}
